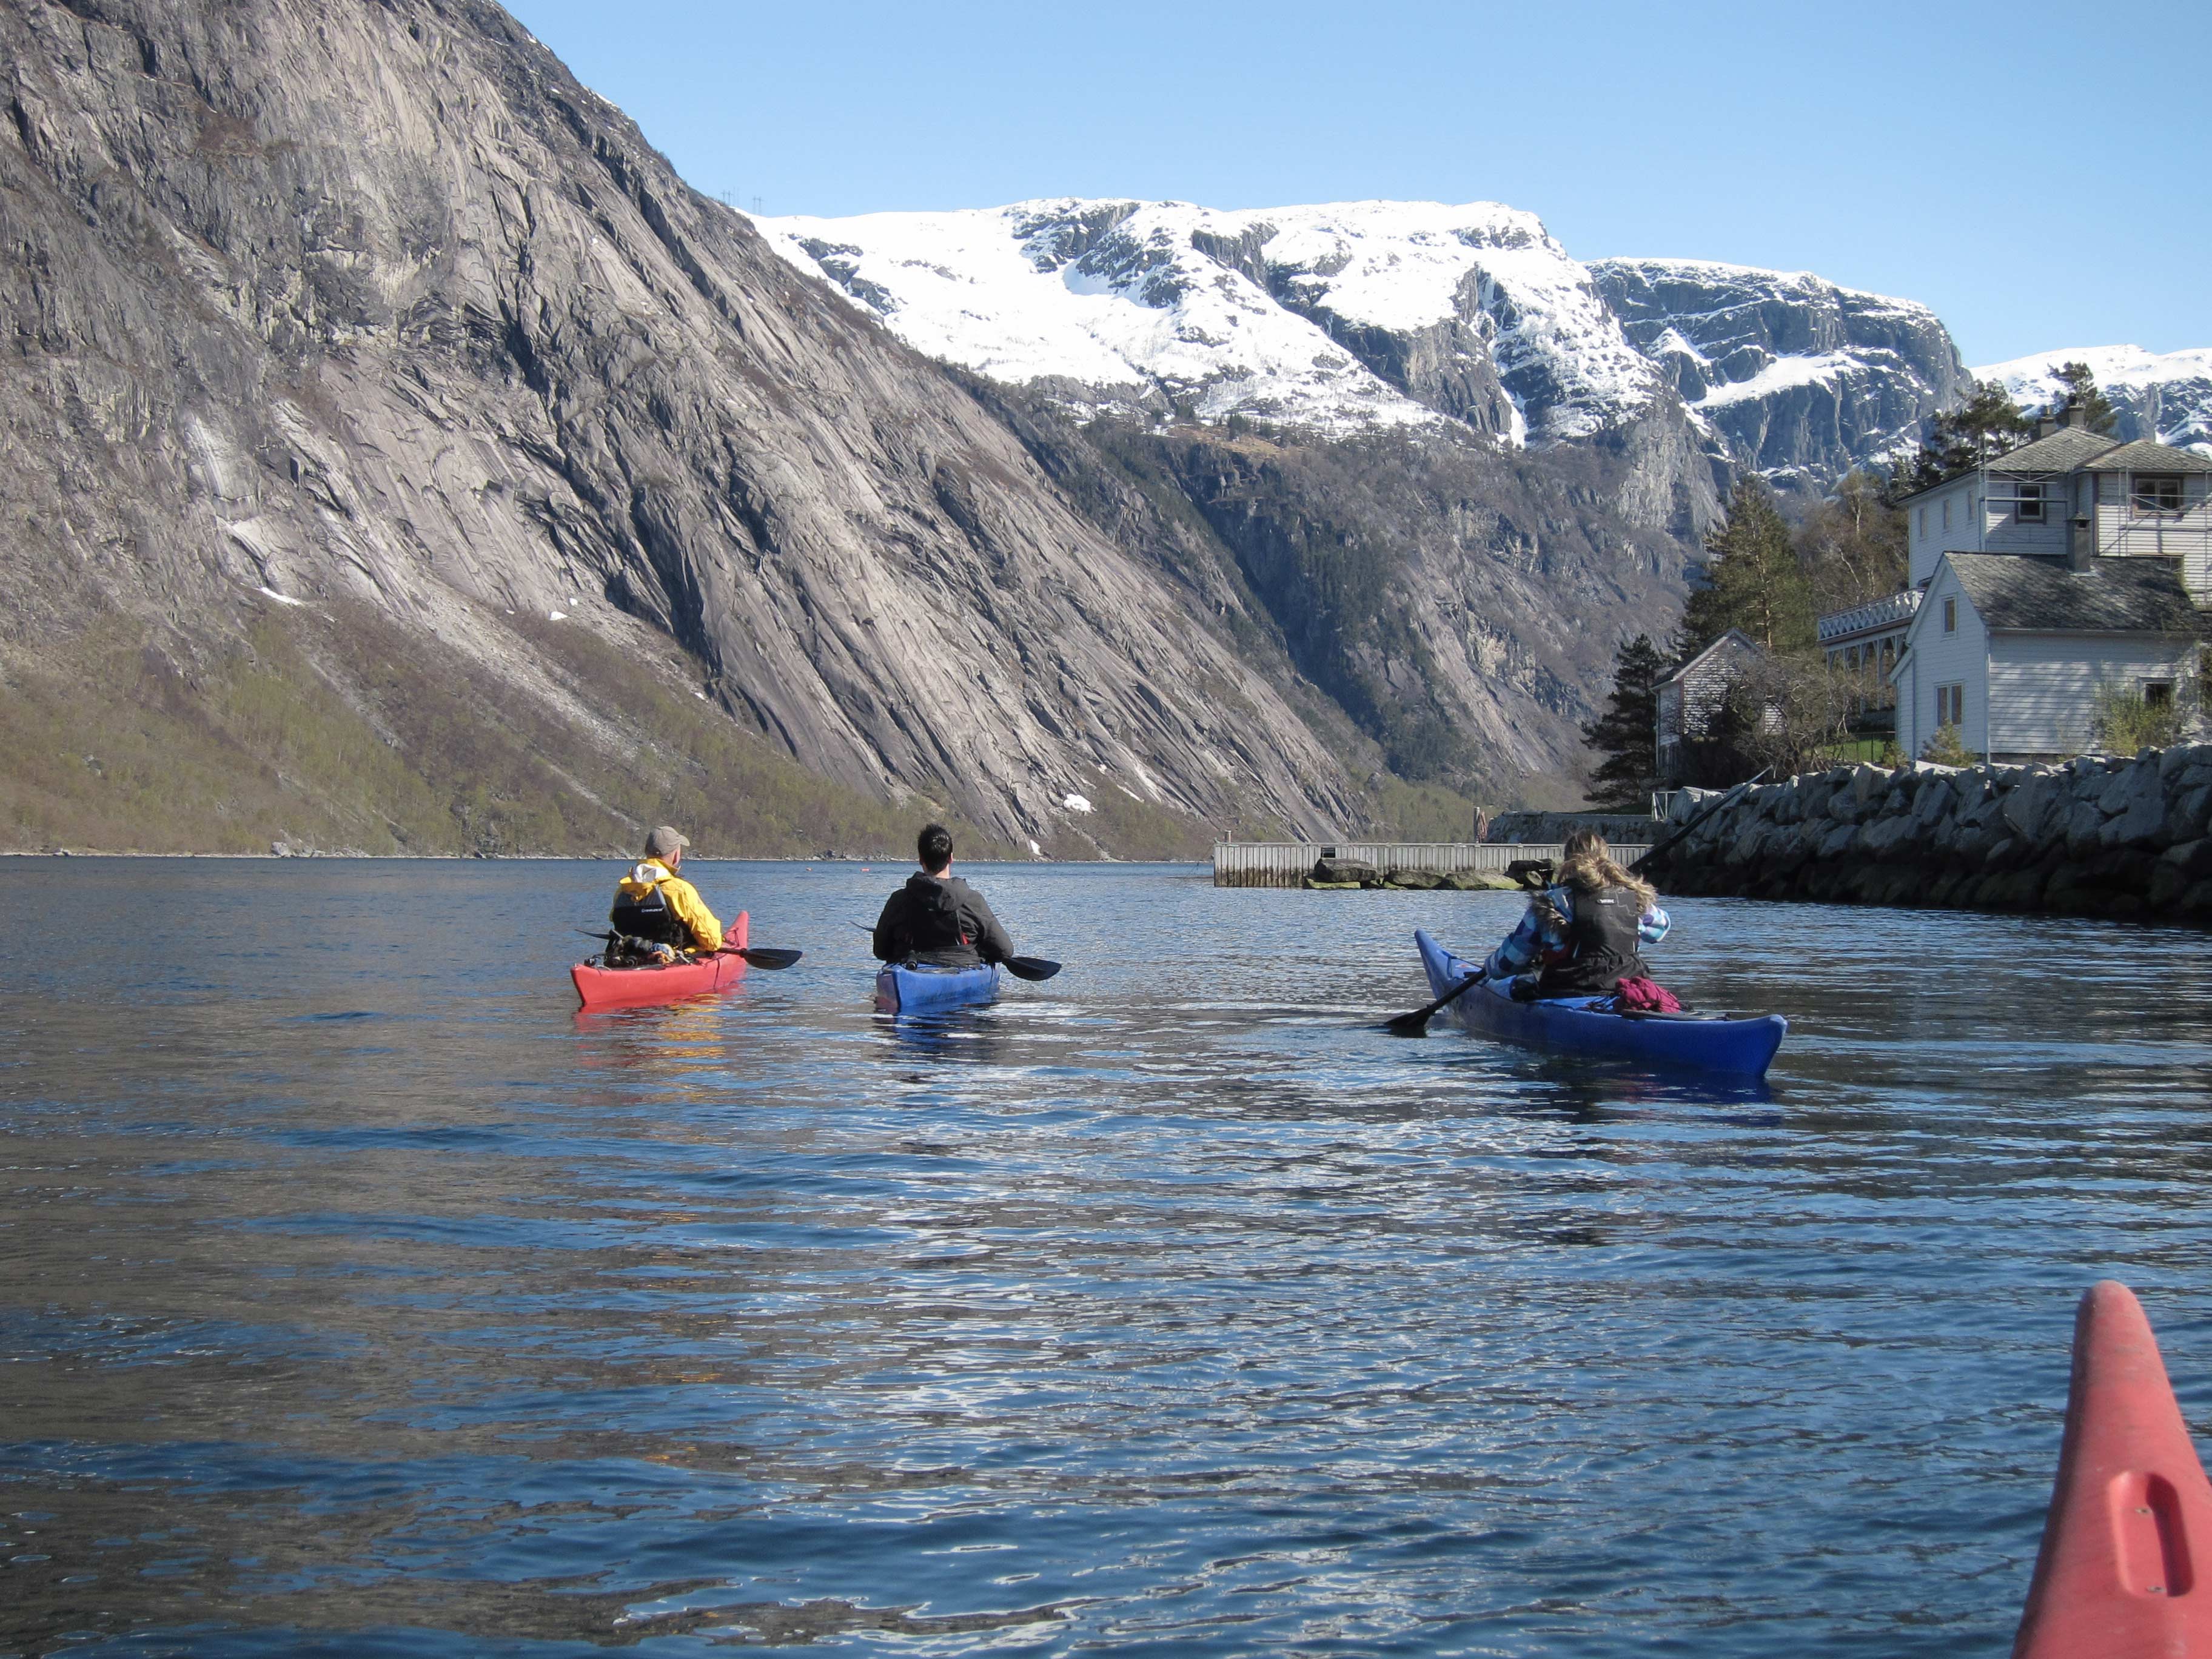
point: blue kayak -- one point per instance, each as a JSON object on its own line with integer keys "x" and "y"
{"x": 904, "y": 990}
{"x": 1708, "y": 1042}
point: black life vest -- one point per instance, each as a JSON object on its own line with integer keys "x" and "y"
{"x": 1601, "y": 941}
{"x": 932, "y": 918}
{"x": 648, "y": 917}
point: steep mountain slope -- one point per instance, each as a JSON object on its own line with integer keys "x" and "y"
{"x": 1797, "y": 378}
{"x": 374, "y": 306}
{"x": 2167, "y": 396}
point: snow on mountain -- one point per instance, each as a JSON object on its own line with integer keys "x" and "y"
{"x": 2167, "y": 396}
{"x": 1338, "y": 317}
{"x": 1795, "y": 377}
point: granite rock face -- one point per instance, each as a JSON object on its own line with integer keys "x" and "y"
{"x": 376, "y": 303}
{"x": 2100, "y": 835}
{"x": 1792, "y": 376}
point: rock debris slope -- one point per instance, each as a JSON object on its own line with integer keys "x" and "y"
{"x": 376, "y": 303}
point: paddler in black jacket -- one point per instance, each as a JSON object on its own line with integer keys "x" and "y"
{"x": 937, "y": 917}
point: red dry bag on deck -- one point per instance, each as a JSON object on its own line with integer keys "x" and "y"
{"x": 1645, "y": 996}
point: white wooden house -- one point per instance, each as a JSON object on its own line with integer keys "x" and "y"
{"x": 2072, "y": 564}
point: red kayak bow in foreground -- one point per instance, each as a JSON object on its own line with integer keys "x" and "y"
{"x": 2122, "y": 1573}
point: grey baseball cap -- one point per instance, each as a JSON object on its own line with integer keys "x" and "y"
{"x": 662, "y": 841}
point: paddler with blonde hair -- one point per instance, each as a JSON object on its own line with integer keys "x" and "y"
{"x": 1581, "y": 934}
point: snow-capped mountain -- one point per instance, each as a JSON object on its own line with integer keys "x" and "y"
{"x": 2167, "y": 396}
{"x": 1798, "y": 379}
{"x": 1338, "y": 317}
{"x": 1355, "y": 315}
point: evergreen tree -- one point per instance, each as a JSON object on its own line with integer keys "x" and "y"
{"x": 2081, "y": 392}
{"x": 1753, "y": 582}
{"x": 1627, "y": 733}
{"x": 1979, "y": 430}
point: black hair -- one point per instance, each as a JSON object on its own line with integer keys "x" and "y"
{"x": 933, "y": 846}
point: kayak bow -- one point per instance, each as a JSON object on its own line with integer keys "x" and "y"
{"x": 2121, "y": 1573}
{"x": 900, "y": 989}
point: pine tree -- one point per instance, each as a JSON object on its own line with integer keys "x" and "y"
{"x": 1626, "y": 734}
{"x": 1753, "y": 582}
{"x": 1984, "y": 427}
{"x": 2081, "y": 384}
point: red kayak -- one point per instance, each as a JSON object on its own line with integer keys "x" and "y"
{"x": 600, "y": 988}
{"x": 2119, "y": 1575}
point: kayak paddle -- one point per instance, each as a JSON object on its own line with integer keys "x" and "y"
{"x": 1417, "y": 1023}
{"x": 1019, "y": 967}
{"x": 765, "y": 955}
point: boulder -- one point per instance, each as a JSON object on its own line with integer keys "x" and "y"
{"x": 1419, "y": 881}
{"x": 2083, "y": 823}
{"x": 2137, "y": 800}
{"x": 1882, "y": 838}
{"x": 2188, "y": 814}
{"x": 2193, "y": 859}
{"x": 1336, "y": 871}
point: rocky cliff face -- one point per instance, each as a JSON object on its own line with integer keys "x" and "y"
{"x": 375, "y": 304}
{"x": 1791, "y": 376}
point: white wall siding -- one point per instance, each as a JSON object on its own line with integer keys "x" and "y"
{"x": 2045, "y": 685}
{"x": 1954, "y": 659}
{"x": 1962, "y": 537}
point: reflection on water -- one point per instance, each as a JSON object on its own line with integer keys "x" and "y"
{"x": 358, "y": 1292}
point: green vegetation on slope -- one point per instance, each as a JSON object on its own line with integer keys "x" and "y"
{"x": 336, "y": 729}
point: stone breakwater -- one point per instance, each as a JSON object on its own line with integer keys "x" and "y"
{"x": 2098, "y": 836}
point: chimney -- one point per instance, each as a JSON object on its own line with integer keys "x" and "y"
{"x": 2046, "y": 425}
{"x": 2074, "y": 414}
{"x": 2081, "y": 541}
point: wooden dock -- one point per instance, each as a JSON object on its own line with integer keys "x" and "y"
{"x": 1284, "y": 863}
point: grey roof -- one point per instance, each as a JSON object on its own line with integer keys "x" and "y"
{"x": 2062, "y": 452}
{"x": 1738, "y": 643}
{"x": 2144, "y": 456}
{"x": 2023, "y": 593}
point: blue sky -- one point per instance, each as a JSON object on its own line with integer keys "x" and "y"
{"x": 2036, "y": 173}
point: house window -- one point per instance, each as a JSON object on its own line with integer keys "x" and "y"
{"x": 1923, "y": 523}
{"x": 1951, "y": 705}
{"x": 1946, "y": 513}
{"x": 2028, "y": 509}
{"x": 2158, "y": 493}
{"x": 1950, "y": 615}
{"x": 2158, "y": 694}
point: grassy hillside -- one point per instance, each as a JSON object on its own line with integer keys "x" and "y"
{"x": 334, "y": 729}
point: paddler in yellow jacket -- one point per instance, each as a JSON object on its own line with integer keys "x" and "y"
{"x": 655, "y": 904}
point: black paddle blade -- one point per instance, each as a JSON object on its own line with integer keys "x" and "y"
{"x": 768, "y": 957}
{"x": 1417, "y": 1023}
{"x": 1030, "y": 967}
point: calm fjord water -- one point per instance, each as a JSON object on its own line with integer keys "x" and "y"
{"x": 356, "y": 1295}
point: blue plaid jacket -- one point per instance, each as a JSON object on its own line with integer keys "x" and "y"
{"x": 1541, "y": 940}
